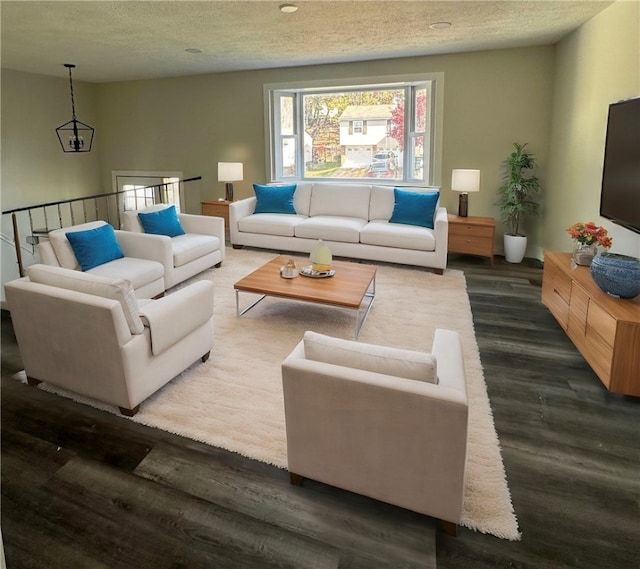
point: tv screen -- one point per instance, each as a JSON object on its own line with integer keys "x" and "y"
{"x": 620, "y": 196}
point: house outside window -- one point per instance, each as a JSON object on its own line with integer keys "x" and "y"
{"x": 388, "y": 131}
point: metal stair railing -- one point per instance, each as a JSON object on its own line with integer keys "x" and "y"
{"x": 36, "y": 221}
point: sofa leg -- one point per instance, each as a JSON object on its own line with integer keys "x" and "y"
{"x": 237, "y": 246}
{"x": 157, "y": 296}
{"x": 129, "y": 412}
{"x": 450, "y": 528}
{"x": 295, "y": 479}
{"x": 438, "y": 271}
{"x": 205, "y": 357}
{"x": 32, "y": 381}
{"x": 218, "y": 265}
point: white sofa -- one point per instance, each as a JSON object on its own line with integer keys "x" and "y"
{"x": 142, "y": 264}
{"x": 200, "y": 248}
{"x": 352, "y": 218}
{"x": 387, "y": 423}
{"x": 91, "y": 336}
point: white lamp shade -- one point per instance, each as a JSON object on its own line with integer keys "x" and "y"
{"x": 229, "y": 171}
{"x": 465, "y": 180}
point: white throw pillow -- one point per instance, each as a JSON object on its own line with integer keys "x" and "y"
{"x": 120, "y": 289}
{"x": 62, "y": 247}
{"x": 408, "y": 364}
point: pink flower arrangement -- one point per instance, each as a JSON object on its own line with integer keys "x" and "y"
{"x": 590, "y": 234}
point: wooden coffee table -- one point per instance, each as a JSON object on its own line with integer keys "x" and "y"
{"x": 353, "y": 286}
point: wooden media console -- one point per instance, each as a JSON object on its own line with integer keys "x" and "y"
{"x": 606, "y": 330}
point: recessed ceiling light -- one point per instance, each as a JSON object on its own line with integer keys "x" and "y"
{"x": 193, "y": 50}
{"x": 440, "y": 25}
{"x": 288, "y": 8}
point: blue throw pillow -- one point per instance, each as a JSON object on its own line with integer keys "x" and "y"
{"x": 162, "y": 222}
{"x": 414, "y": 208}
{"x": 95, "y": 247}
{"x": 274, "y": 199}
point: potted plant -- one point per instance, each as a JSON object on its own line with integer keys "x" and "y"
{"x": 515, "y": 199}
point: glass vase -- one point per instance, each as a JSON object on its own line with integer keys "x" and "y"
{"x": 583, "y": 254}
{"x": 320, "y": 257}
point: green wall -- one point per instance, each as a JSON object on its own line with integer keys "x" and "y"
{"x": 34, "y": 167}
{"x": 595, "y": 66}
{"x": 491, "y": 99}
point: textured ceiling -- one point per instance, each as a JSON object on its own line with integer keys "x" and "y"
{"x": 114, "y": 41}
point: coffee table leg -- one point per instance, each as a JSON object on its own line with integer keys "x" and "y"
{"x": 238, "y": 312}
{"x": 371, "y": 295}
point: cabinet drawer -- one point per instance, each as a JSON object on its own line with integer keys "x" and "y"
{"x": 471, "y": 245}
{"x": 215, "y": 210}
{"x": 562, "y": 285}
{"x": 558, "y": 306}
{"x": 461, "y": 230}
{"x": 602, "y": 323}
{"x": 578, "y": 312}
{"x": 599, "y": 356}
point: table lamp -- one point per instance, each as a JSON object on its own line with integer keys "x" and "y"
{"x": 229, "y": 172}
{"x": 465, "y": 181}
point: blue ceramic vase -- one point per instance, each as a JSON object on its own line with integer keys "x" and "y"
{"x": 617, "y": 275}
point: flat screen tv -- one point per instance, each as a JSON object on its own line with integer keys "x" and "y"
{"x": 620, "y": 195}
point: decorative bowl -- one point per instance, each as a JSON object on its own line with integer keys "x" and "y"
{"x": 617, "y": 275}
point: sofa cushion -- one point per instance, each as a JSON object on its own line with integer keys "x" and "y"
{"x": 192, "y": 246}
{"x": 139, "y": 272}
{"x": 161, "y": 222}
{"x": 330, "y": 228}
{"x": 398, "y": 235}
{"x": 270, "y": 223}
{"x": 382, "y": 201}
{"x": 274, "y": 199}
{"x": 93, "y": 247}
{"x": 344, "y": 200}
{"x": 62, "y": 247}
{"x": 116, "y": 289}
{"x": 302, "y": 198}
{"x": 409, "y": 364}
{"x": 414, "y": 208}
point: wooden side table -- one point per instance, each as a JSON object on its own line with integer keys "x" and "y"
{"x": 217, "y": 208}
{"x": 472, "y": 235}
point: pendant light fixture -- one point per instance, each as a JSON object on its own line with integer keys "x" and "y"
{"x": 74, "y": 136}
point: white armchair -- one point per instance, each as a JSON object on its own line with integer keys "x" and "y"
{"x": 201, "y": 247}
{"x": 88, "y": 334}
{"x": 141, "y": 265}
{"x": 369, "y": 419}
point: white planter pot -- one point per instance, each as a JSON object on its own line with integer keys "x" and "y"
{"x": 514, "y": 248}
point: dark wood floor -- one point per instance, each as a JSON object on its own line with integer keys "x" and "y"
{"x": 85, "y": 489}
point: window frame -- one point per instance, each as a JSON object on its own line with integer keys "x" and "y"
{"x": 433, "y": 120}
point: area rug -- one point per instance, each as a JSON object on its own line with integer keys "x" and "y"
{"x": 234, "y": 400}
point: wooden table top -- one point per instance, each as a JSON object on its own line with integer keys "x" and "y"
{"x": 346, "y": 288}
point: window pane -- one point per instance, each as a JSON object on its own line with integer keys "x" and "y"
{"x": 421, "y": 110}
{"x": 345, "y": 132}
{"x": 417, "y": 168}
{"x": 286, "y": 115}
{"x": 288, "y": 157}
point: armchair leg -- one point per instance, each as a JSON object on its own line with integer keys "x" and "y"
{"x": 129, "y": 412}
{"x": 205, "y": 357}
{"x": 450, "y": 528}
{"x": 218, "y": 265}
{"x": 237, "y": 246}
{"x": 438, "y": 271}
{"x": 32, "y": 381}
{"x": 295, "y": 479}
